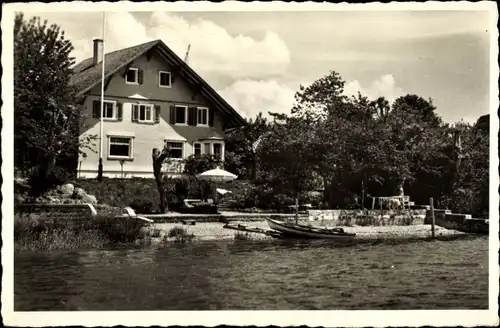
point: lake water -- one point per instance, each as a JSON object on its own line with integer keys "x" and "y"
{"x": 264, "y": 275}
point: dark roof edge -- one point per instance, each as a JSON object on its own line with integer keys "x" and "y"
{"x": 186, "y": 69}
{"x": 119, "y": 67}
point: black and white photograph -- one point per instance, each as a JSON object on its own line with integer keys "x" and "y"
{"x": 250, "y": 164}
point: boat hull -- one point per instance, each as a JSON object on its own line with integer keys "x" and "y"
{"x": 306, "y": 232}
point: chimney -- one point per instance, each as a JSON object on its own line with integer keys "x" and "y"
{"x": 98, "y": 47}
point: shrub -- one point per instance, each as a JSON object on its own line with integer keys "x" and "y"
{"x": 118, "y": 229}
{"x": 141, "y": 205}
{"x": 45, "y": 232}
{"x": 241, "y": 235}
{"x": 123, "y": 192}
{"x": 36, "y": 233}
{"x": 180, "y": 234}
{"x": 244, "y": 194}
{"x": 39, "y": 184}
{"x": 198, "y": 164}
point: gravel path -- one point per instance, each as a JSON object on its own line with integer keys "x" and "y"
{"x": 215, "y": 231}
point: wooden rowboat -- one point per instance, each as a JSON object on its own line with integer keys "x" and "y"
{"x": 304, "y": 231}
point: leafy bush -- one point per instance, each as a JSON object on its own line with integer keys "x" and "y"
{"x": 198, "y": 164}
{"x": 39, "y": 184}
{"x": 140, "y": 194}
{"x": 44, "y": 232}
{"x": 241, "y": 235}
{"x": 118, "y": 229}
{"x": 243, "y": 195}
{"x": 180, "y": 234}
{"x": 39, "y": 233}
{"x": 181, "y": 188}
{"x": 141, "y": 205}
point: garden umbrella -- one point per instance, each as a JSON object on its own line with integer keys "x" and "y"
{"x": 217, "y": 175}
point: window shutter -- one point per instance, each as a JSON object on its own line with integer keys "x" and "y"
{"x": 135, "y": 113}
{"x": 192, "y": 111}
{"x": 172, "y": 114}
{"x": 96, "y": 109}
{"x": 211, "y": 117}
{"x": 119, "y": 111}
{"x": 157, "y": 113}
{"x": 140, "y": 76}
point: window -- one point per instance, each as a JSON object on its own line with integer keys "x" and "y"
{"x": 164, "y": 79}
{"x": 202, "y": 116}
{"x": 176, "y": 149}
{"x": 143, "y": 112}
{"x": 132, "y": 76}
{"x": 181, "y": 114}
{"x": 207, "y": 148}
{"x": 218, "y": 150}
{"x": 109, "y": 110}
{"x": 120, "y": 147}
{"x": 197, "y": 148}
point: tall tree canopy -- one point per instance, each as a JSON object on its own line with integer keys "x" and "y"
{"x": 46, "y": 111}
{"x": 240, "y": 147}
{"x": 360, "y": 148}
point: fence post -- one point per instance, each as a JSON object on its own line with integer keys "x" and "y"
{"x": 296, "y": 210}
{"x": 433, "y": 222}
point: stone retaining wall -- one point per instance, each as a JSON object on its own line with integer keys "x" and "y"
{"x": 457, "y": 221}
{"x": 366, "y": 217}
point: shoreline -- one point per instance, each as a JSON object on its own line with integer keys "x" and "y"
{"x": 98, "y": 236}
{"x": 212, "y": 231}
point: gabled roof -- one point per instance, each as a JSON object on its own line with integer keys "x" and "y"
{"x": 86, "y": 75}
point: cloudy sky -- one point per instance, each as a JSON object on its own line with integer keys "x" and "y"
{"x": 257, "y": 60}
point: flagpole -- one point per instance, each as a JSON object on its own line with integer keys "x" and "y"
{"x": 99, "y": 169}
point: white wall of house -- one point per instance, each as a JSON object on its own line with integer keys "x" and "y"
{"x": 128, "y": 143}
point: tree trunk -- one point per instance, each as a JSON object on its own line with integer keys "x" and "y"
{"x": 363, "y": 192}
{"x": 158, "y": 158}
{"x": 254, "y": 167}
{"x": 326, "y": 192}
{"x": 46, "y": 166}
{"x": 296, "y": 208}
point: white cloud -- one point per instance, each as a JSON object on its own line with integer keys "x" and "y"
{"x": 215, "y": 54}
{"x": 385, "y": 86}
{"x": 214, "y": 51}
{"x": 251, "y": 97}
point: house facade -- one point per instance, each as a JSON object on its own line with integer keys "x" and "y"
{"x": 152, "y": 99}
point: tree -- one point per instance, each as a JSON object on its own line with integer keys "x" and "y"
{"x": 197, "y": 164}
{"x": 419, "y": 138}
{"x": 240, "y": 156}
{"x": 344, "y": 137}
{"x": 285, "y": 158}
{"x": 46, "y": 108}
{"x": 470, "y": 178}
{"x": 419, "y": 108}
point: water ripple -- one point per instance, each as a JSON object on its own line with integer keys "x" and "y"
{"x": 266, "y": 275}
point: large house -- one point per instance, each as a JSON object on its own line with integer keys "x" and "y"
{"x": 152, "y": 98}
